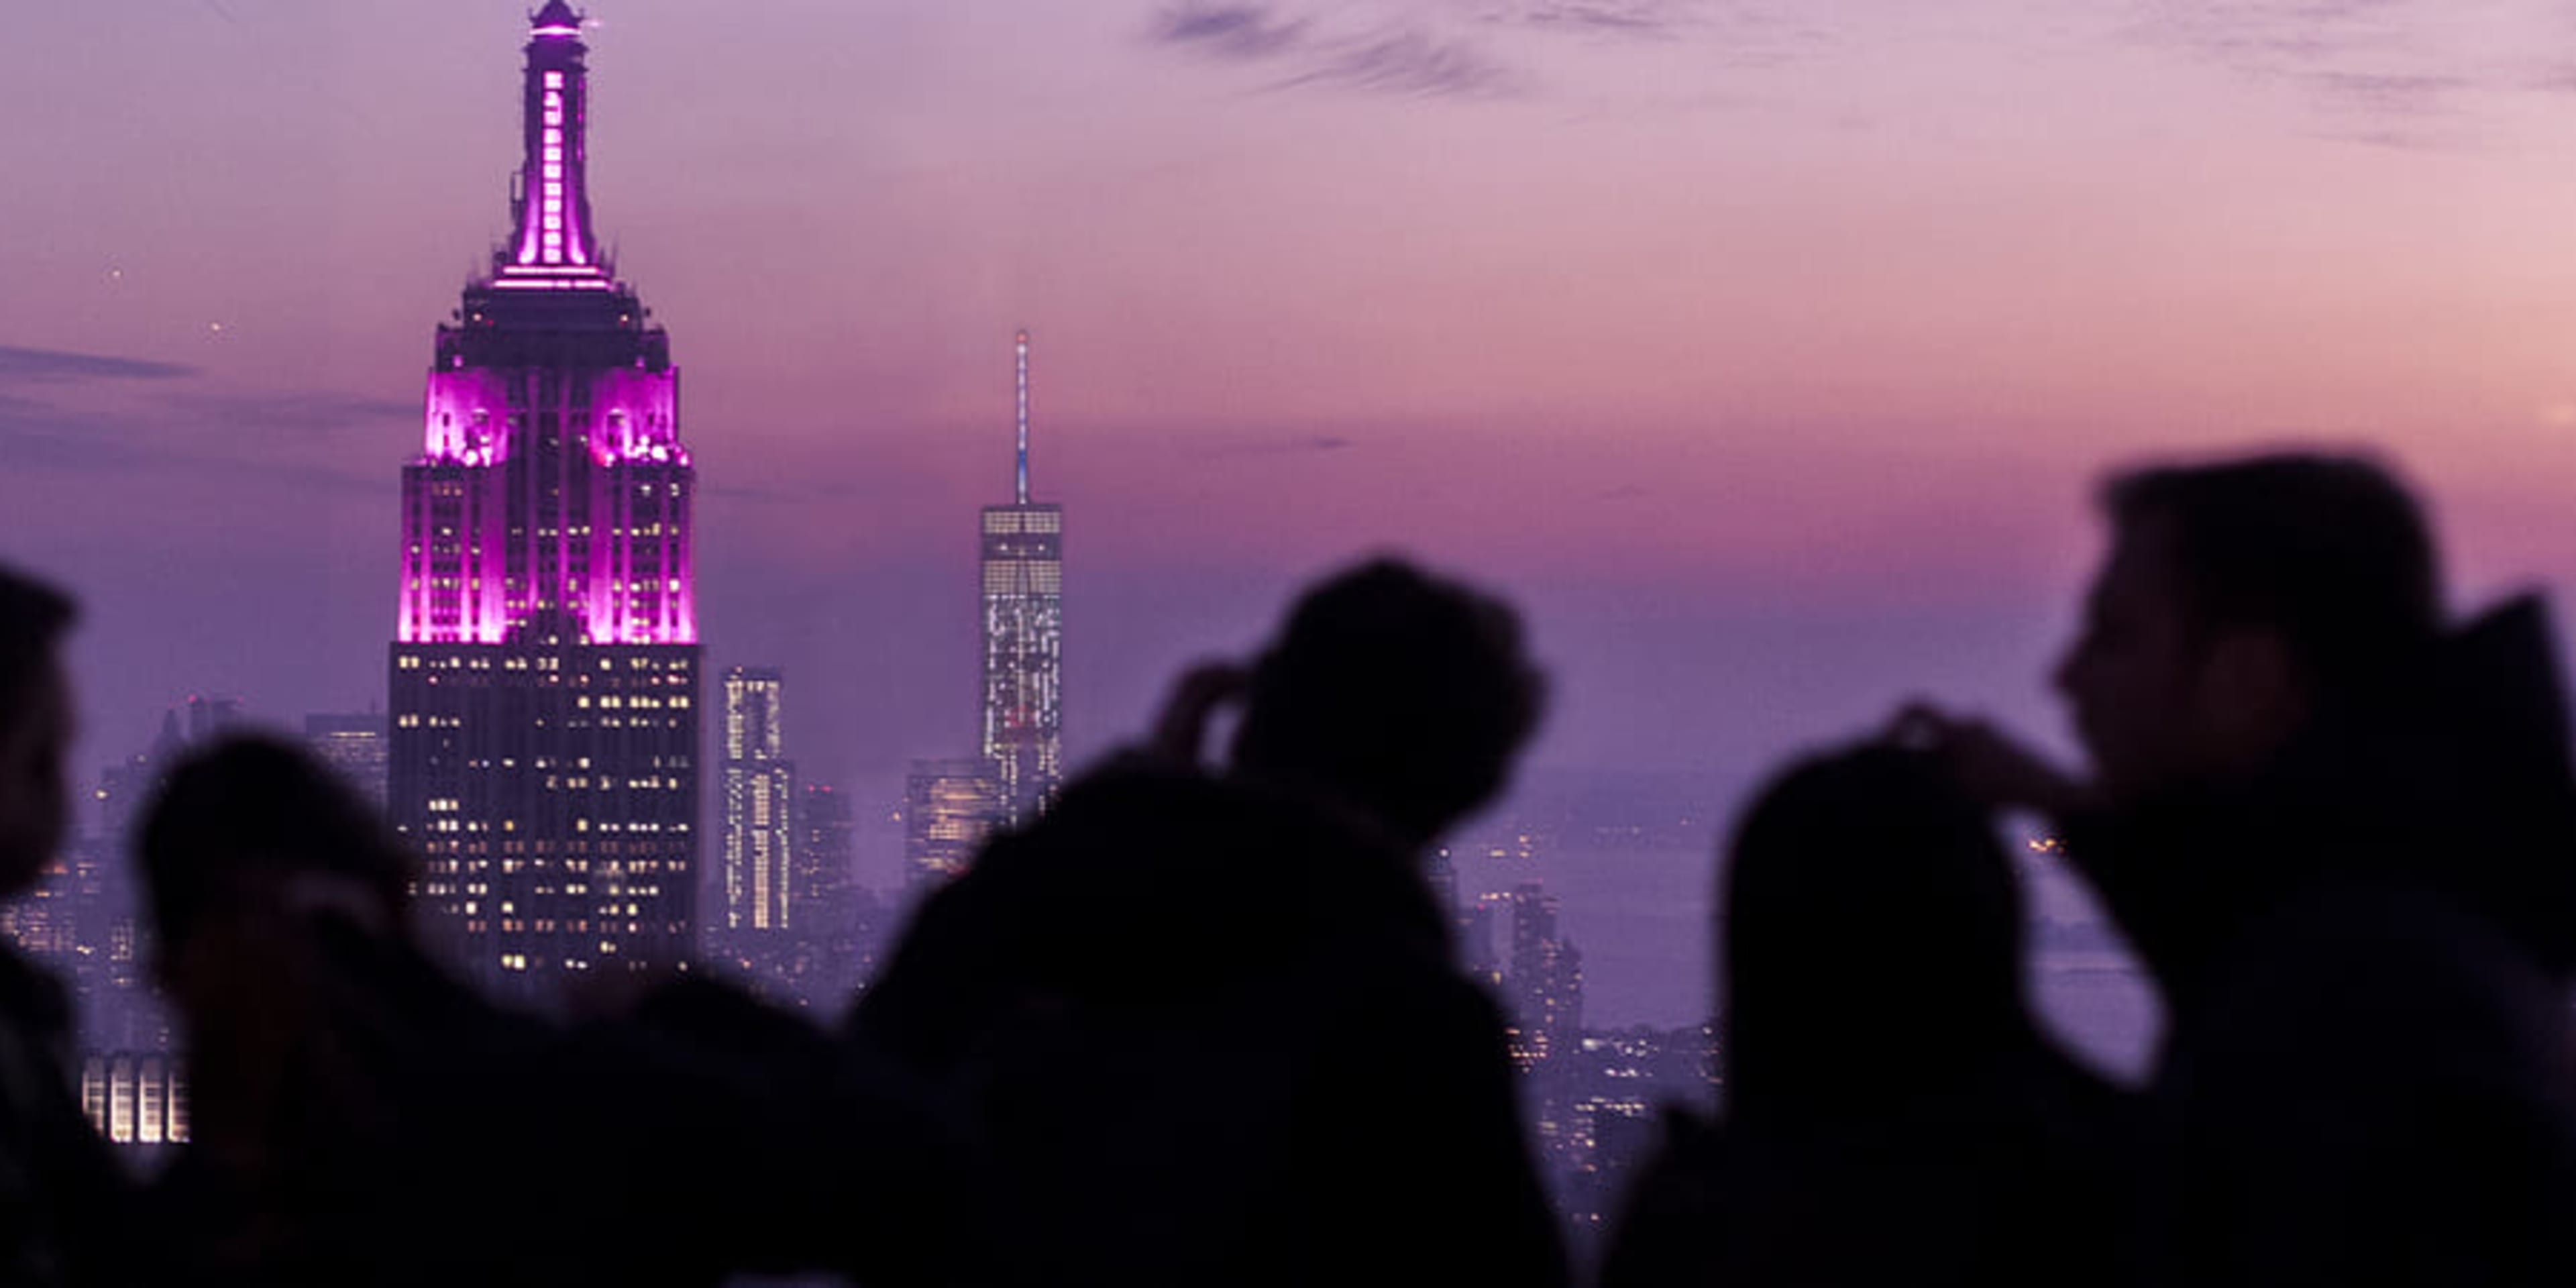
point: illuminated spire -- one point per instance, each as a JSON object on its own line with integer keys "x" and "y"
{"x": 553, "y": 208}
{"x": 1024, "y": 417}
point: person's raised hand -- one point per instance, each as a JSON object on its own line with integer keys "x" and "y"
{"x": 1180, "y": 731}
{"x": 1987, "y": 763}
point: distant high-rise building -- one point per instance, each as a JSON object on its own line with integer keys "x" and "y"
{"x": 949, "y": 807}
{"x": 825, "y": 845}
{"x": 125, "y": 786}
{"x": 837, "y": 921}
{"x": 1618, "y": 1090}
{"x": 45, "y": 921}
{"x": 760, "y": 808}
{"x": 1023, "y": 621}
{"x": 210, "y": 717}
{"x": 1543, "y": 992}
{"x": 354, "y": 745}
{"x": 545, "y": 677}
{"x": 90, "y": 909}
{"x": 1544, "y": 980}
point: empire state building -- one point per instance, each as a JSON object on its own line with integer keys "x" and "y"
{"x": 545, "y": 680}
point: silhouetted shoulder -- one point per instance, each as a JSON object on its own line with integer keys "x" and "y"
{"x": 2021, "y": 1182}
{"x": 1150, "y": 884}
{"x": 1419, "y": 1142}
{"x": 2383, "y": 1093}
{"x": 1215, "y": 1035}
{"x": 65, "y": 1208}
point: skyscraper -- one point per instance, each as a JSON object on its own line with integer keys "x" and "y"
{"x": 545, "y": 677}
{"x": 949, "y": 807}
{"x": 212, "y": 717}
{"x": 759, "y": 804}
{"x": 1023, "y": 602}
{"x": 1546, "y": 980}
{"x": 837, "y": 921}
{"x": 1544, "y": 994}
{"x": 826, "y": 842}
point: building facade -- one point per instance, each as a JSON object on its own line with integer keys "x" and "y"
{"x": 354, "y": 745}
{"x": 826, "y": 846}
{"x": 1023, "y": 631}
{"x": 1543, "y": 1000}
{"x": 760, "y": 894}
{"x": 136, "y": 1100}
{"x": 545, "y": 678}
{"x": 949, "y": 808}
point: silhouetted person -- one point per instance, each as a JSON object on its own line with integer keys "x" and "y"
{"x": 339, "y": 1083}
{"x": 2340, "y": 835}
{"x": 1211, "y": 1018}
{"x": 64, "y": 1208}
{"x": 1893, "y": 1115}
{"x": 360, "y": 1117}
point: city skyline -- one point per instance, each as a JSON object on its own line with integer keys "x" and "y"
{"x": 1764, "y": 357}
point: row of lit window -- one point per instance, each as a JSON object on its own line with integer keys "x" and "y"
{"x": 1005, "y": 521}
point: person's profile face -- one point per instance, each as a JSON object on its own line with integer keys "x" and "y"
{"x": 2132, "y": 677}
{"x": 35, "y": 812}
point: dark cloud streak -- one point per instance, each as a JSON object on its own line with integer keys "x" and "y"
{"x": 1409, "y": 61}
{"x": 2375, "y": 69}
{"x": 1616, "y": 17}
{"x": 2389, "y": 93}
{"x": 1405, "y": 60}
{"x": 315, "y": 438}
{"x": 48, "y": 366}
{"x": 1310, "y": 444}
{"x": 1238, "y": 31}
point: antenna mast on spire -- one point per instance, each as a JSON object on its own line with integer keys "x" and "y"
{"x": 1024, "y": 416}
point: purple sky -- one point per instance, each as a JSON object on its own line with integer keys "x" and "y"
{"x": 1762, "y": 349}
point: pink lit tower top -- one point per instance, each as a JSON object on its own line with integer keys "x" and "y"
{"x": 552, "y": 489}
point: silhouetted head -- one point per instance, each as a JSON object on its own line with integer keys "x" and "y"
{"x": 1399, "y": 693}
{"x": 251, "y": 825}
{"x": 2238, "y": 600}
{"x": 1872, "y": 935}
{"x": 35, "y": 729}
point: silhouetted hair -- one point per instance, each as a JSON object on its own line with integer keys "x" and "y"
{"x": 2330, "y": 550}
{"x": 1873, "y": 932}
{"x": 1405, "y": 693}
{"x": 245, "y": 815}
{"x": 34, "y": 617}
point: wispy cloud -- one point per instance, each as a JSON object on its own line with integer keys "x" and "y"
{"x": 1298, "y": 445}
{"x": 2271, "y": 35}
{"x": 2392, "y": 93}
{"x": 2386, "y": 72}
{"x": 47, "y": 366}
{"x": 1239, "y": 31}
{"x": 1409, "y": 61}
{"x": 87, "y": 413}
{"x": 1400, "y": 56}
{"x": 287, "y": 414}
{"x": 1615, "y": 17}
